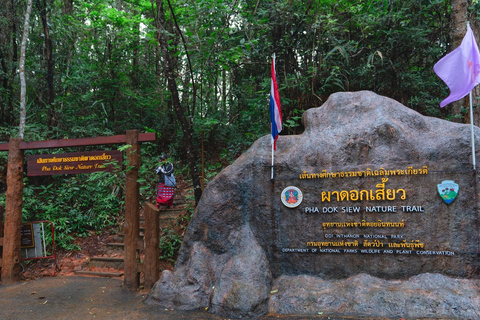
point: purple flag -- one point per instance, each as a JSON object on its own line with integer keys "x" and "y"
{"x": 460, "y": 69}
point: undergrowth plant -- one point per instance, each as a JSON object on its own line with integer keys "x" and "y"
{"x": 76, "y": 204}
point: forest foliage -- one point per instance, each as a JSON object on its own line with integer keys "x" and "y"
{"x": 198, "y": 74}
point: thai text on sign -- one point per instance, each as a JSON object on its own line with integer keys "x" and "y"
{"x": 72, "y": 163}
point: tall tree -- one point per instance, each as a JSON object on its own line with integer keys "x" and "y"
{"x": 23, "y": 89}
{"x": 50, "y": 103}
{"x": 458, "y": 27}
{"x": 169, "y": 62}
{"x": 8, "y": 59}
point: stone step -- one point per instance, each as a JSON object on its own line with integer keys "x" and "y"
{"x": 165, "y": 213}
{"x": 107, "y": 259}
{"x": 113, "y": 266}
{"x": 140, "y": 235}
{"x": 99, "y": 273}
{"x": 116, "y": 244}
{"x": 171, "y": 210}
{"x": 107, "y": 262}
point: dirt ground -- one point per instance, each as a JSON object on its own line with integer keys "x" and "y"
{"x": 64, "y": 296}
{"x": 73, "y": 297}
{"x": 70, "y": 261}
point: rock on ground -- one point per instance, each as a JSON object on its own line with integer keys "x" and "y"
{"x": 233, "y": 258}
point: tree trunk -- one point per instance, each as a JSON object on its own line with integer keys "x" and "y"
{"x": 67, "y": 6}
{"x": 67, "y": 10}
{"x": 458, "y": 28}
{"x": 186, "y": 124}
{"x": 8, "y": 61}
{"x": 21, "y": 67}
{"x": 135, "y": 62}
{"x": 13, "y": 214}
{"x": 51, "y": 116}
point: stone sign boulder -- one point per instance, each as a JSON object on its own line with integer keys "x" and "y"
{"x": 373, "y": 198}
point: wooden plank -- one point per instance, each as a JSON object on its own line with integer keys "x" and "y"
{"x": 80, "y": 142}
{"x": 2, "y": 214}
{"x": 152, "y": 241}
{"x": 107, "y": 259}
{"x": 132, "y": 216}
{"x": 72, "y": 162}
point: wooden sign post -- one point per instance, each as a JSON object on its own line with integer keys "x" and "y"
{"x": 71, "y": 163}
{"x": 152, "y": 248}
{"x": 132, "y": 219}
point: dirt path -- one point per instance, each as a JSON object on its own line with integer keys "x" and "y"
{"x": 72, "y": 297}
{"x": 79, "y": 298}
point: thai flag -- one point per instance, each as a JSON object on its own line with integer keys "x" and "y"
{"x": 275, "y": 111}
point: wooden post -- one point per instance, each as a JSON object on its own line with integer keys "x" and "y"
{"x": 2, "y": 211}
{"x": 2, "y": 214}
{"x": 152, "y": 242}
{"x": 13, "y": 214}
{"x": 132, "y": 219}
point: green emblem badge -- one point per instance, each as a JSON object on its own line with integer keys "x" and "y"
{"x": 448, "y": 190}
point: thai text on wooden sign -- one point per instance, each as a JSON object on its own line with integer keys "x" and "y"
{"x": 71, "y": 163}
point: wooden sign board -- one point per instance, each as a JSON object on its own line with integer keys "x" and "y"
{"x": 72, "y": 163}
{"x": 27, "y": 236}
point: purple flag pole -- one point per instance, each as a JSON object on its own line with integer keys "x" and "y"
{"x": 473, "y": 136}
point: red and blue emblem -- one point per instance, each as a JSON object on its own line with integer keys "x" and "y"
{"x": 292, "y": 197}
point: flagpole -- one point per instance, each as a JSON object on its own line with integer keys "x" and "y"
{"x": 473, "y": 136}
{"x": 273, "y": 142}
{"x": 471, "y": 125}
{"x": 272, "y": 162}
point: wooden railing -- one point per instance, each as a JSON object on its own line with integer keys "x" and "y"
{"x": 152, "y": 246}
{"x": 2, "y": 210}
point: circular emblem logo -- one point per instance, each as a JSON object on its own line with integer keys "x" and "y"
{"x": 292, "y": 197}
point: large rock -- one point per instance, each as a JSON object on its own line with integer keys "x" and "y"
{"x": 362, "y": 158}
{"x": 426, "y": 296}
